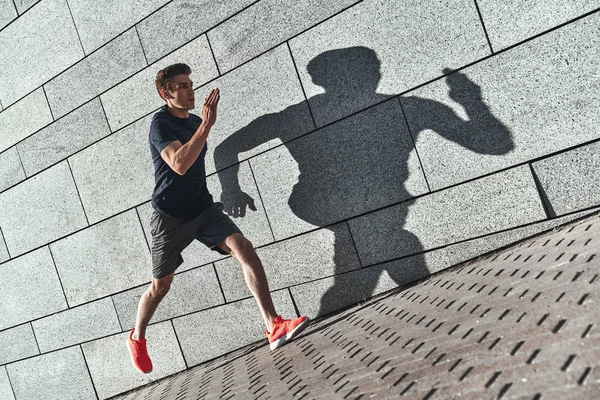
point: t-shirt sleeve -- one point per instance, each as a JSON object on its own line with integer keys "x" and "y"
{"x": 160, "y": 135}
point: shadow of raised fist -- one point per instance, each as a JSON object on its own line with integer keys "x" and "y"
{"x": 462, "y": 89}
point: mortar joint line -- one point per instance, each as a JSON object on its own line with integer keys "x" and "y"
{"x": 58, "y": 275}
{"x": 49, "y": 108}
{"x": 117, "y": 313}
{"x": 261, "y": 201}
{"x": 35, "y": 337}
{"x": 213, "y": 54}
{"x": 9, "y": 382}
{"x": 5, "y": 244}
{"x": 219, "y": 282}
{"x": 354, "y": 243}
{"x": 548, "y": 209}
{"x": 301, "y": 85}
{"x": 483, "y": 26}
{"x": 143, "y": 232}
{"x": 76, "y": 30}
{"x": 179, "y": 343}
{"x": 78, "y": 195}
{"x": 141, "y": 45}
{"x": 414, "y": 142}
{"x": 88, "y": 370}
{"x": 21, "y": 162}
{"x": 294, "y": 302}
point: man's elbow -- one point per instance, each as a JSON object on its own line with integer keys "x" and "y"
{"x": 179, "y": 169}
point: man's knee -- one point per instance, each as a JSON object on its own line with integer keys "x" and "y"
{"x": 160, "y": 286}
{"x": 241, "y": 248}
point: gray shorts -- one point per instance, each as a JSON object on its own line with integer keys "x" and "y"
{"x": 171, "y": 235}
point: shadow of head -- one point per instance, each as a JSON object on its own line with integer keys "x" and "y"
{"x": 353, "y": 69}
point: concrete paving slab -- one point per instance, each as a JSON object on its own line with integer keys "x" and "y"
{"x": 291, "y": 262}
{"x": 207, "y": 334}
{"x": 100, "y": 21}
{"x": 103, "y": 259}
{"x": 115, "y": 173}
{"x": 510, "y": 22}
{"x": 487, "y": 205}
{"x": 80, "y": 324}
{"x": 354, "y": 166}
{"x": 137, "y": 96}
{"x": 264, "y": 25}
{"x": 46, "y": 204}
{"x": 375, "y": 49}
{"x": 93, "y": 75}
{"x": 261, "y": 106}
{"x": 180, "y": 21}
{"x": 11, "y": 169}
{"x": 64, "y": 137}
{"x": 110, "y": 364}
{"x": 8, "y": 12}
{"x": 5, "y": 388}
{"x": 57, "y": 375}
{"x": 190, "y": 291}
{"x": 17, "y": 343}
{"x": 24, "y": 5}
{"x": 18, "y": 121}
{"x": 520, "y": 323}
{"x": 48, "y": 44}
{"x": 473, "y": 122}
{"x": 571, "y": 180}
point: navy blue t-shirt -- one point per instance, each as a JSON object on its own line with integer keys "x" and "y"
{"x": 177, "y": 195}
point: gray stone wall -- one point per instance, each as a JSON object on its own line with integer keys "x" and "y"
{"x": 381, "y": 141}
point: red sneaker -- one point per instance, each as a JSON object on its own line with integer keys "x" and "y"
{"x": 139, "y": 354}
{"x": 284, "y": 330}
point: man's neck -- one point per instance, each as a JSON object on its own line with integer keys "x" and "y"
{"x": 178, "y": 112}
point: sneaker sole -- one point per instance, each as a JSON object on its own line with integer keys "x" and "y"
{"x": 287, "y": 338}
{"x": 133, "y": 361}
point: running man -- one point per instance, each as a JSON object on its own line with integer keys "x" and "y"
{"x": 184, "y": 210}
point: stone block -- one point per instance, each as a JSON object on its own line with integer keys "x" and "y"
{"x": 30, "y": 289}
{"x": 324, "y": 296}
{"x": 58, "y": 375}
{"x": 17, "y": 343}
{"x": 11, "y": 170}
{"x": 24, "y": 5}
{"x": 96, "y": 73}
{"x": 110, "y": 364}
{"x": 180, "y": 21}
{"x": 6, "y": 391}
{"x": 137, "y": 96}
{"x": 190, "y": 291}
{"x": 487, "y": 205}
{"x": 262, "y": 105}
{"x": 571, "y": 180}
{"x": 115, "y": 173}
{"x": 8, "y": 12}
{"x": 542, "y": 93}
{"x": 304, "y": 258}
{"x": 383, "y": 48}
{"x": 40, "y": 210}
{"x": 357, "y": 165}
{"x": 99, "y": 21}
{"x": 235, "y": 324}
{"x": 77, "y": 325}
{"x": 64, "y": 137}
{"x": 47, "y": 45}
{"x": 265, "y": 25}
{"x": 20, "y": 120}
{"x": 509, "y": 22}
{"x": 105, "y": 258}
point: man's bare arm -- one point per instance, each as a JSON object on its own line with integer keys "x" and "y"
{"x": 181, "y": 157}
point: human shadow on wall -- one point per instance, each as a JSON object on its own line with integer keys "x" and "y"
{"x": 361, "y": 163}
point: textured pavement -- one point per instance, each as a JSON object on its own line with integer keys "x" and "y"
{"x": 521, "y": 323}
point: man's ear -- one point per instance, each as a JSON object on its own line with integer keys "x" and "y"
{"x": 165, "y": 94}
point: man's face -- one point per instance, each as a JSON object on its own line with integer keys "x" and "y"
{"x": 181, "y": 93}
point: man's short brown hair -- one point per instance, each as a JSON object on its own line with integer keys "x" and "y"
{"x": 165, "y": 75}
